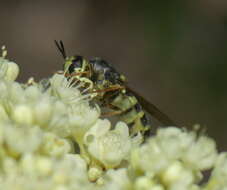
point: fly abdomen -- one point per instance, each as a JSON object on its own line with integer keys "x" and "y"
{"x": 132, "y": 113}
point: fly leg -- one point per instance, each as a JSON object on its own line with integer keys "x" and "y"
{"x": 115, "y": 111}
{"x": 112, "y": 113}
{"x": 112, "y": 88}
{"x": 111, "y": 93}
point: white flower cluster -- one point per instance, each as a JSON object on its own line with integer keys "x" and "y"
{"x": 52, "y": 138}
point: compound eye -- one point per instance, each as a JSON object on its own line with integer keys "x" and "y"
{"x": 71, "y": 68}
{"x": 76, "y": 63}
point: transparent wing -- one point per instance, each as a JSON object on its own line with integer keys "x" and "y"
{"x": 152, "y": 109}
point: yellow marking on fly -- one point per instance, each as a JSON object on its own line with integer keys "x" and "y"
{"x": 138, "y": 126}
{"x": 122, "y": 77}
{"x": 124, "y": 102}
{"x": 130, "y": 116}
{"x": 68, "y": 62}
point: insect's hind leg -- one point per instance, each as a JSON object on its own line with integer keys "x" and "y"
{"x": 115, "y": 111}
{"x": 112, "y": 113}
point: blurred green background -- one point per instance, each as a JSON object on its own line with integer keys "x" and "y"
{"x": 172, "y": 52}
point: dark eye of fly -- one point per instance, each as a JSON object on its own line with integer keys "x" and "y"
{"x": 76, "y": 63}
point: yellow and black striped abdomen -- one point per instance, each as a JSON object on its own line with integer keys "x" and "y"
{"x": 131, "y": 112}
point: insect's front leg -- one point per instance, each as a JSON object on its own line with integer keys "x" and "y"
{"x": 86, "y": 81}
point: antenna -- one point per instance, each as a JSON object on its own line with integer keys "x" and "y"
{"x": 60, "y": 47}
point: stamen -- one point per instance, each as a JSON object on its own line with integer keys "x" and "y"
{"x": 4, "y": 52}
{"x": 85, "y": 90}
{"x": 77, "y": 100}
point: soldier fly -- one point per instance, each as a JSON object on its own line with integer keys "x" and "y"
{"x": 113, "y": 92}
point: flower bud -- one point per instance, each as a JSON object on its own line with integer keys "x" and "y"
{"x": 12, "y": 71}
{"x": 94, "y": 173}
{"x": 23, "y": 114}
